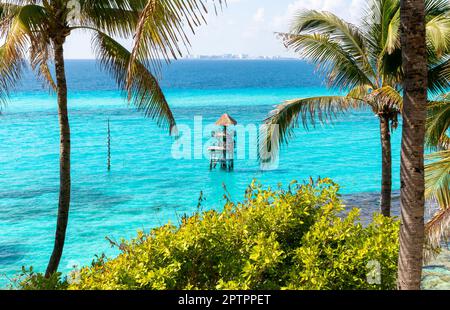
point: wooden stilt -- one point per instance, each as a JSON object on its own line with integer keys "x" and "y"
{"x": 109, "y": 146}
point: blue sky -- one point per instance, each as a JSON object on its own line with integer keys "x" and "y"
{"x": 244, "y": 27}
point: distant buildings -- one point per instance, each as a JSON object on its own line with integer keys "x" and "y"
{"x": 235, "y": 57}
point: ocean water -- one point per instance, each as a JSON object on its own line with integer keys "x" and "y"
{"x": 147, "y": 187}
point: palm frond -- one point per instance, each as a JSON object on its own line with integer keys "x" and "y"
{"x": 438, "y": 34}
{"x": 118, "y": 18}
{"x": 25, "y": 34}
{"x": 436, "y": 231}
{"x": 385, "y": 98}
{"x": 33, "y": 19}
{"x": 438, "y": 123}
{"x": 19, "y": 27}
{"x": 326, "y": 23}
{"x": 329, "y": 57}
{"x": 280, "y": 125}
{"x": 146, "y": 94}
{"x": 7, "y": 12}
{"x": 381, "y": 24}
{"x": 437, "y": 173}
{"x": 40, "y": 55}
{"x": 162, "y": 30}
{"x": 360, "y": 92}
{"x": 389, "y": 59}
{"x": 439, "y": 76}
{"x": 436, "y": 7}
{"x": 437, "y": 188}
{"x": 392, "y": 41}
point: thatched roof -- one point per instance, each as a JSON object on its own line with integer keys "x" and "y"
{"x": 226, "y": 120}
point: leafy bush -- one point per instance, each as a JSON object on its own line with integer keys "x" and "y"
{"x": 340, "y": 253}
{"x": 28, "y": 279}
{"x": 298, "y": 238}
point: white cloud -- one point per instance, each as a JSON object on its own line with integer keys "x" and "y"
{"x": 350, "y": 10}
{"x": 242, "y": 27}
{"x": 259, "y": 15}
{"x": 257, "y": 24}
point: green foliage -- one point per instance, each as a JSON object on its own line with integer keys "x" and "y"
{"x": 28, "y": 279}
{"x": 337, "y": 253}
{"x": 298, "y": 238}
{"x": 437, "y": 174}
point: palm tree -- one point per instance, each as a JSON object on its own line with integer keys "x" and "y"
{"x": 37, "y": 30}
{"x": 437, "y": 174}
{"x": 412, "y": 233}
{"x": 366, "y": 63}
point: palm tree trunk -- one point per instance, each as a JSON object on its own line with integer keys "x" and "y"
{"x": 65, "y": 186}
{"x": 412, "y": 167}
{"x": 386, "y": 179}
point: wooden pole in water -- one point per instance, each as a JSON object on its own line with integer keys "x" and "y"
{"x": 224, "y": 163}
{"x": 109, "y": 147}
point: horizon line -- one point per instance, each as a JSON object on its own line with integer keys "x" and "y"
{"x": 275, "y": 58}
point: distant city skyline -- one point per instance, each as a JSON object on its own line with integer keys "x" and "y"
{"x": 244, "y": 27}
{"x": 234, "y": 56}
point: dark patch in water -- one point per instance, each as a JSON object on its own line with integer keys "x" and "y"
{"x": 10, "y": 254}
{"x": 435, "y": 267}
{"x": 98, "y": 199}
{"x": 27, "y": 194}
{"x": 369, "y": 203}
{"x": 82, "y": 198}
{"x": 20, "y": 211}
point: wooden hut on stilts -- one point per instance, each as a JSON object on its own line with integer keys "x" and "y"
{"x": 223, "y": 151}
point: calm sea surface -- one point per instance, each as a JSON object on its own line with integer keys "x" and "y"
{"x": 146, "y": 186}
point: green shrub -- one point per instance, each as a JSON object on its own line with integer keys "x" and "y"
{"x": 28, "y": 279}
{"x": 298, "y": 238}
{"x": 337, "y": 253}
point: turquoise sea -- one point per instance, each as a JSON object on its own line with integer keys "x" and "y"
{"x": 147, "y": 187}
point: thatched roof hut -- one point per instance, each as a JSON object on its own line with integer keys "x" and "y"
{"x": 226, "y": 120}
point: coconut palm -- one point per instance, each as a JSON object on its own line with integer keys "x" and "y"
{"x": 414, "y": 54}
{"x": 362, "y": 62}
{"x": 37, "y": 30}
{"x": 437, "y": 174}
